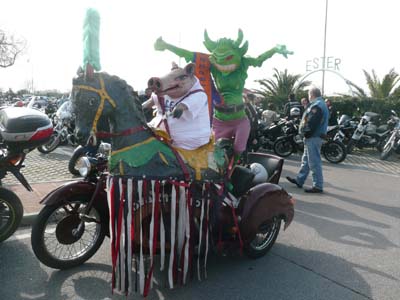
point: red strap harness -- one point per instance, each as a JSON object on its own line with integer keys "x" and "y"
{"x": 126, "y": 132}
{"x": 161, "y": 100}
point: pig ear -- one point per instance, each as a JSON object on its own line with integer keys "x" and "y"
{"x": 189, "y": 69}
{"x": 174, "y": 66}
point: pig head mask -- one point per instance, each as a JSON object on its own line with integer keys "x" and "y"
{"x": 176, "y": 83}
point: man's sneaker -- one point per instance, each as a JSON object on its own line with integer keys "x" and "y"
{"x": 313, "y": 190}
{"x": 294, "y": 181}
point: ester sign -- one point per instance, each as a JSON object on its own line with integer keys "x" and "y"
{"x": 328, "y": 62}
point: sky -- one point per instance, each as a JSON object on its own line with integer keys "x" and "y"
{"x": 360, "y": 35}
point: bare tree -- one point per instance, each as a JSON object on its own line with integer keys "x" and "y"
{"x": 11, "y": 47}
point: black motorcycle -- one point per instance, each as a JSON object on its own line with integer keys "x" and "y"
{"x": 265, "y": 136}
{"x": 334, "y": 151}
{"x": 345, "y": 128}
{"x": 22, "y": 130}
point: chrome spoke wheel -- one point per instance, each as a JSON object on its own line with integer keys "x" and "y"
{"x": 265, "y": 236}
{"x": 59, "y": 235}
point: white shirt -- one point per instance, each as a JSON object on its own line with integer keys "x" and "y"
{"x": 192, "y": 129}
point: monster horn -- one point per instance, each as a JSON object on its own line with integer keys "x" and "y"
{"x": 239, "y": 39}
{"x": 210, "y": 45}
{"x": 244, "y": 48}
{"x": 91, "y": 30}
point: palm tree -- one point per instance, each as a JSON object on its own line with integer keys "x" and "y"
{"x": 378, "y": 89}
{"x": 281, "y": 85}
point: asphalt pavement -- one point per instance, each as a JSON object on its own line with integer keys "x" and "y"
{"x": 343, "y": 244}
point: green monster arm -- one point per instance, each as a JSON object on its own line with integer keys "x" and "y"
{"x": 161, "y": 45}
{"x": 257, "y": 62}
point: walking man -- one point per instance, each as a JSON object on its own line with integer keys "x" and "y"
{"x": 313, "y": 126}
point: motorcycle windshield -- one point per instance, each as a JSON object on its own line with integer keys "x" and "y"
{"x": 344, "y": 119}
{"x": 64, "y": 111}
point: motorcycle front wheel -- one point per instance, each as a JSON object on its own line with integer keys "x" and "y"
{"x": 11, "y": 213}
{"x": 334, "y": 152}
{"x": 51, "y": 145}
{"x": 283, "y": 148}
{"x": 350, "y": 146}
{"x": 56, "y": 239}
{"x": 264, "y": 240}
{"x": 387, "y": 148}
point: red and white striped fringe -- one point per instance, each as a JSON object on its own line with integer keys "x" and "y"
{"x": 132, "y": 260}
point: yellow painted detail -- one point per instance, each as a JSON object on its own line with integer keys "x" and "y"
{"x": 103, "y": 97}
{"x": 197, "y": 158}
{"x": 121, "y": 168}
{"x": 162, "y": 156}
{"x": 149, "y": 140}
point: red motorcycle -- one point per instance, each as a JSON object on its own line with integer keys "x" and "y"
{"x": 21, "y": 131}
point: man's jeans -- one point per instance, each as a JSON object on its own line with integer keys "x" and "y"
{"x": 311, "y": 160}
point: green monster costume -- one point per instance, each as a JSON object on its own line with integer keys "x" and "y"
{"x": 228, "y": 65}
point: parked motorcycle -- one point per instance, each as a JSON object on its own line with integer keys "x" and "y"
{"x": 21, "y": 131}
{"x": 392, "y": 142}
{"x": 345, "y": 129}
{"x": 333, "y": 150}
{"x": 64, "y": 127}
{"x": 265, "y": 136}
{"x": 72, "y": 225}
{"x": 368, "y": 134}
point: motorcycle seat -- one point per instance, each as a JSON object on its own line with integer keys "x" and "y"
{"x": 382, "y": 129}
{"x": 372, "y": 115}
{"x": 332, "y": 128}
{"x": 272, "y": 163}
{"x": 241, "y": 180}
{"x": 242, "y": 177}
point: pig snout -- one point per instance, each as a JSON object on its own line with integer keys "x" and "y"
{"x": 155, "y": 84}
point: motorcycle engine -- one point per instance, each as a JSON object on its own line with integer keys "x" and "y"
{"x": 367, "y": 140}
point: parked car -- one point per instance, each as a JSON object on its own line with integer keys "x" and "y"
{"x": 38, "y": 102}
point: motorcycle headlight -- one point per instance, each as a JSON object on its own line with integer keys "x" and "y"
{"x": 105, "y": 148}
{"x": 84, "y": 166}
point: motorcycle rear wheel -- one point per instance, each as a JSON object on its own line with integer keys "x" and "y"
{"x": 11, "y": 213}
{"x": 54, "y": 240}
{"x": 264, "y": 240}
{"x": 283, "y": 148}
{"x": 334, "y": 152}
{"x": 51, "y": 145}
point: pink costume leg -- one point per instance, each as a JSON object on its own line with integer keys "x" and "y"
{"x": 222, "y": 129}
{"x": 242, "y": 132}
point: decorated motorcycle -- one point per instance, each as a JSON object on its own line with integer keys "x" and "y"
{"x": 161, "y": 199}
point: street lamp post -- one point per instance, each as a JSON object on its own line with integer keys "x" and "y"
{"x": 324, "y": 56}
